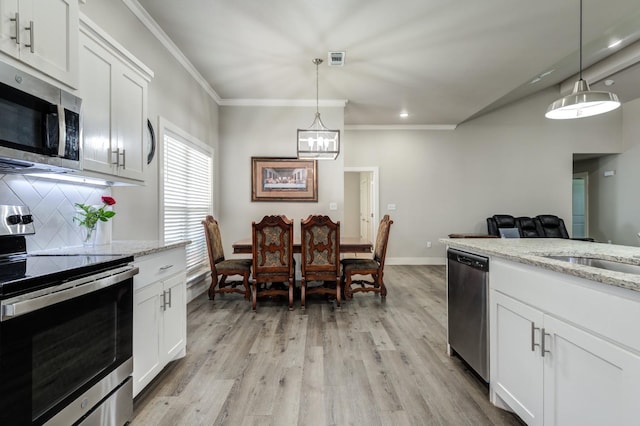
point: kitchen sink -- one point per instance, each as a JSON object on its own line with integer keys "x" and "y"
{"x": 610, "y": 265}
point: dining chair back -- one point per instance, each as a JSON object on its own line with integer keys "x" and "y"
{"x": 320, "y": 256}
{"x": 273, "y": 265}
{"x": 368, "y": 267}
{"x": 221, "y": 267}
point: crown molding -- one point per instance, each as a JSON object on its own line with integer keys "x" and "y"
{"x": 339, "y": 103}
{"x": 155, "y": 29}
{"x": 400, "y": 126}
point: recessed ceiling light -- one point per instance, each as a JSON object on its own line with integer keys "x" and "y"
{"x": 614, "y": 44}
{"x": 609, "y": 82}
{"x": 404, "y": 114}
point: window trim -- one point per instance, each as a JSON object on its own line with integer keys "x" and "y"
{"x": 165, "y": 127}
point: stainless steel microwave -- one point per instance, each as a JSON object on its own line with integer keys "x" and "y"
{"x": 40, "y": 125}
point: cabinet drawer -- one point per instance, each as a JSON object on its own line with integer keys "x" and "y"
{"x": 159, "y": 266}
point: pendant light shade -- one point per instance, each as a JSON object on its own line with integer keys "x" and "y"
{"x": 582, "y": 102}
{"x": 318, "y": 142}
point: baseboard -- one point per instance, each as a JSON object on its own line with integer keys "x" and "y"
{"x": 416, "y": 261}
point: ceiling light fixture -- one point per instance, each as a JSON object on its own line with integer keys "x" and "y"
{"x": 404, "y": 114}
{"x": 318, "y": 142}
{"x": 582, "y": 102}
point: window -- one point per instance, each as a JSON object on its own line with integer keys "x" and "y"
{"x": 187, "y": 170}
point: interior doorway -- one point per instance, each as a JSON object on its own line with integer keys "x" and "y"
{"x": 361, "y": 202}
{"x": 580, "y": 205}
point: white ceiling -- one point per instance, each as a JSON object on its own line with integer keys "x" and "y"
{"x": 443, "y": 61}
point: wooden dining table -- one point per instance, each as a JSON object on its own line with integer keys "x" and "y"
{"x": 347, "y": 245}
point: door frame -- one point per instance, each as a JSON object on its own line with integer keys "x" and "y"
{"x": 375, "y": 188}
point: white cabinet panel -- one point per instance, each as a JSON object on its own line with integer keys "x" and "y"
{"x": 160, "y": 314}
{"x": 113, "y": 85}
{"x": 587, "y": 380}
{"x": 517, "y": 364}
{"x": 577, "y": 374}
{"x": 42, "y": 34}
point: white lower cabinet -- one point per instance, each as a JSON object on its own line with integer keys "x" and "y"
{"x": 548, "y": 365}
{"x": 159, "y": 314}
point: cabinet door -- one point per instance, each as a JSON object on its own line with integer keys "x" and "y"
{"x": 588, "y": 380}
{"x": 175, "y": 317}
{"x": 8, "y": 28}
{"x": 51, "y": 45}
{"x": 517, "y": 365}
{"x": 96, "y": 86}
{"x": 147, "y": 321}
{"x": 129, "y": 102}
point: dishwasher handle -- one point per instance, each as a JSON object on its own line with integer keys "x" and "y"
{"x": 469, "y": 259}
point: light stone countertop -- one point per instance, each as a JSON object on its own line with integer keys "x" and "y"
{"x": 530, "y": 251}
{"x": 125, "y": 247}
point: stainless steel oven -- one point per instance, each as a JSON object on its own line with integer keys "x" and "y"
{"x": 66, "y": 325}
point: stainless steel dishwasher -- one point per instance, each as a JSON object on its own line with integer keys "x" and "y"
{"x": 468, "y": 310}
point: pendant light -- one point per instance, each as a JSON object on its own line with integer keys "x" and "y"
{"x": 318, "y": 142}
{"x": 582, "y": 102}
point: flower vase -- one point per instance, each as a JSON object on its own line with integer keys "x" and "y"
{"x": 88, "y": 236}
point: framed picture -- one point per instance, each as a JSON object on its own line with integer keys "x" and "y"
{"x": 283, "y": 179}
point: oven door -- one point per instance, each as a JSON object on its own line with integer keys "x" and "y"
{"x": 51, "y": 355}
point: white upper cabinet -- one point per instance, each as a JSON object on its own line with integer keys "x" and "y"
{"x": 42, "y": 34}
{"x": 113, "y": 88}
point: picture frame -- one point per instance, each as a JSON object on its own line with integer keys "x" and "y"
{"x": 283, "y": 179}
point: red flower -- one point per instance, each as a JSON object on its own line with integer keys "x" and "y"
{"x": 109, "y": 201}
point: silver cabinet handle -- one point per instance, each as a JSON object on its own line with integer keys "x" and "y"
{"x": 543, "y": 336}
{"x": 166, "y": 304}
{"x": 124, "y": 158}
{"x": 17, "y": 21}
{"x": 32, "y": 43}
{"x": 533, "y": 337}
{"x": 117, "y": 153}
{"x": 165, "y": 267}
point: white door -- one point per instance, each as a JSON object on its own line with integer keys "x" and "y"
{"x": 365, "y": 207}
{"x": 174, "y": 316}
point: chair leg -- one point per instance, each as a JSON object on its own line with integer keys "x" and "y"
{"x": 212, "y": 288}
{"x": 303, "y": 292}
{"x": 338, "y": 291}
{"x": 255, "y": 296}
{"x": 347, "y": 288}
{"x": 247, "y": 290}
{"x": 291, "y": 294}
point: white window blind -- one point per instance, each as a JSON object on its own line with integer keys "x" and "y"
{"x": 187, "y": 196}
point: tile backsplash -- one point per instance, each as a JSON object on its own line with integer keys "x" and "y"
{"x": 52, "y": 206}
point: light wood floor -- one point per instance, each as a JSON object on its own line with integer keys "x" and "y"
{"x": 368, "y": 363}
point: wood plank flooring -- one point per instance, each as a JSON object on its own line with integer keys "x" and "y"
{"x": 367, "y": 363}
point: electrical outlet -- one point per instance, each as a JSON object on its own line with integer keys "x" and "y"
{"x": 428, "y": 244}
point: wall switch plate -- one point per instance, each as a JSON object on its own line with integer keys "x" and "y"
{"x": 333, "y": 206}
{"x": 428, "y": 244}
{"x": 391, "y": 206}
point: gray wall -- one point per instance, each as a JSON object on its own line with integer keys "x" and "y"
{"x": 247, "y": 132}
{"x": 511, "y": 161}
{"x": 614, "y": 201}
{"x": 173, "y": 94}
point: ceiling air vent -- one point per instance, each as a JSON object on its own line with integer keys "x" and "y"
{"x": 336, "y": 59}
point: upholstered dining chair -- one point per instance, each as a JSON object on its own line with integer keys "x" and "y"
{"x": 223, "y": 268}
{"x": 368, "y": 267}
{"x": 272, "y": 245}
{"x": 320, "y": 255}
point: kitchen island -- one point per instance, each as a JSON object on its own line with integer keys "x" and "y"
{"x": 564, "y": 346}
